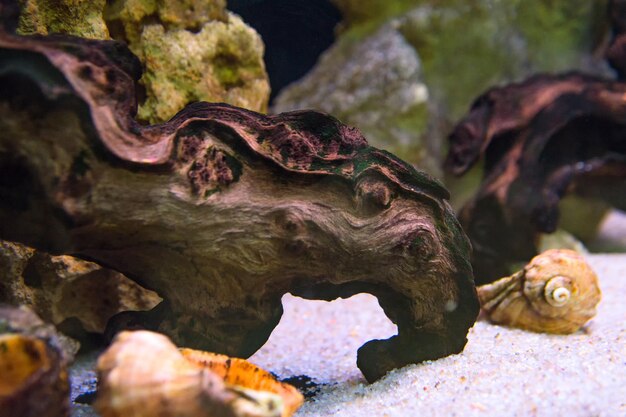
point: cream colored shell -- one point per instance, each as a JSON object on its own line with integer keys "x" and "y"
{"x": 557, "y": 292}
{"x": 143, "y": 374}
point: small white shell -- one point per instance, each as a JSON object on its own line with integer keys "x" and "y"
{"x": 557, "y": 292}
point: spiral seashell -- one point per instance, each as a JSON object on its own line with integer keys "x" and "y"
{"x": 143, "y": 374}
{"x": 557, "y": 292}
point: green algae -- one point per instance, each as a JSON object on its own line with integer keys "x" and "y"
{"x": 127, "y": 18}
{"x": 363, "y": 17}
{"x": 75, "y": 17}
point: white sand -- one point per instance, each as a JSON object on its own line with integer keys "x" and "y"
{"x": 502, "y": 372}
{"x": 611, "y": 234}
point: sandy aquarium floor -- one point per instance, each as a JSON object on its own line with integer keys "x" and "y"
{"x": 502, "y": 372}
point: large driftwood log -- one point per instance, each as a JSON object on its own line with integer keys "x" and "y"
{"x": 541, "y": 139}
{"x": 223, "y": 210}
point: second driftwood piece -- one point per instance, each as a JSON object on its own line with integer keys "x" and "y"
{"x": 541, "y": 139}
{"x": 222, "y": 210}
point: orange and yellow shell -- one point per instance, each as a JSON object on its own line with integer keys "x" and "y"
{"x": 144, "y": 374}
{"x": 557, "y": 292}
{"x": 33, "y": 378}
{"x": 239, "y": 372}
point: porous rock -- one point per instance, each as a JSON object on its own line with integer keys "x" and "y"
{"x": 59, "y": 288}
{"x": 191, "y": 51}
{"x": 74, "y": 17}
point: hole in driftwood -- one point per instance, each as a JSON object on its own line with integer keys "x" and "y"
{"x": 320, "y": 339}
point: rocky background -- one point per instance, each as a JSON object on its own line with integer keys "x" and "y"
{"x": 401, "y": 71}
{"x": 405, "y": 71}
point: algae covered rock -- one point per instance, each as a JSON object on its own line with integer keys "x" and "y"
{"x": 74, "y": 17}
{"x": 191, "y": 50}
{"x": 462, "y": 47}
{"x": 466, "y": 47}
{"x": 127, "y": 18}
{"x": 366, "y": 14}
{"x": 223, "y": 62}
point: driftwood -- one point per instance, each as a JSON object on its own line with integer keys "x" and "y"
{"x": 222, "y": 210}
{"x": 541, "y": 139}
